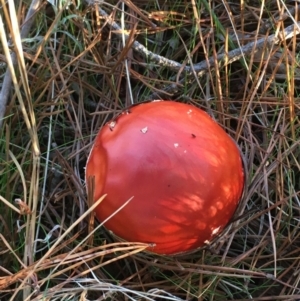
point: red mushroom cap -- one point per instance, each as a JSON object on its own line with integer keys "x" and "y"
{"x": 184, "y": 172}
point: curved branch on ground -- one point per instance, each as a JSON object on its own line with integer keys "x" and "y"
{"x": 201, "y": 68}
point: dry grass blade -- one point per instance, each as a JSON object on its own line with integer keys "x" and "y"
{"x": 5, "y": 90}
{"x": 30, "y": 121}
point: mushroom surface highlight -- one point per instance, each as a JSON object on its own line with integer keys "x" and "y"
{"x": 184, "y": 172}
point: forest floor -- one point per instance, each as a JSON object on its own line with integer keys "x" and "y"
{"x": 66, "y": 68}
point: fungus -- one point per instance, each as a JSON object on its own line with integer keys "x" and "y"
{"x": 184, "y": 172}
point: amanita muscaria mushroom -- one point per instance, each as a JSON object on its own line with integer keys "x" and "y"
{"x": 184, "y": 172}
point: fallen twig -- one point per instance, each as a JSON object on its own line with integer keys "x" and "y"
{"x": 201, "y": 68}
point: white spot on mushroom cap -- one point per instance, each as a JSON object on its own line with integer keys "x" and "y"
{"x": 176, "y": 145}
{"x": 144, "y": 130}
{"x": 112, "y": 124}
{"x": 216, "y": 230}
{"x": 189, "y": 111}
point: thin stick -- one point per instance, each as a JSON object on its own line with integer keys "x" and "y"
{"x": 201, "y": 68}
